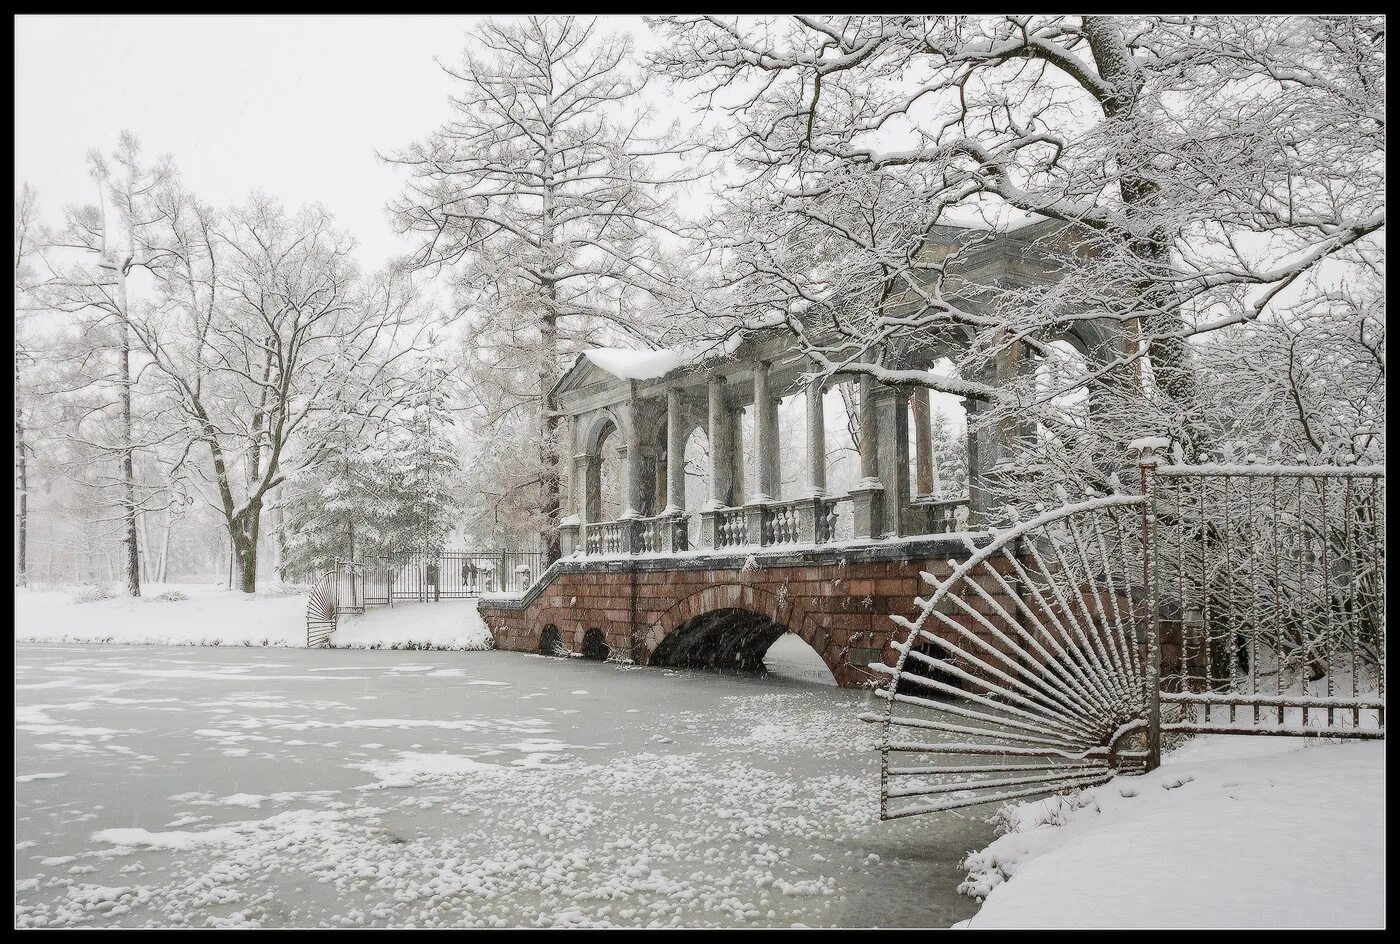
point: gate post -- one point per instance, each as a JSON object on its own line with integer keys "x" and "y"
{"x": 1148, "y": 453}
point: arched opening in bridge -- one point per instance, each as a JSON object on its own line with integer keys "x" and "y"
{"x": 729, "y": 639}
{"x": 939, "y": 653}
{"x": 791, "y": 657}
{"x": 551, "y": 642}
{"x": 595, "y": 647}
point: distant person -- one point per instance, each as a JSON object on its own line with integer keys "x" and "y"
{"x": 469, "y": 575}
{"x": 433, "y": 581}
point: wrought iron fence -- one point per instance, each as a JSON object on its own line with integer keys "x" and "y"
{"x": 348, "y": 587}
{"x": 1270, "y": 586}
{"x": 1219, "y": 599}
{"x": 448, "y": 575}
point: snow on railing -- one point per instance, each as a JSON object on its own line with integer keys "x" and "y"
{"x": 731, "y": 528}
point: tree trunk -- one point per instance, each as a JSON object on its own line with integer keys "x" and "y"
{"x": 549, "y": 418}
{"x": 22, "y": 484}
{"x": 163, "y": 562}
{"x": 549, "y": 446}
{"x": 244, "y": 532}
{"x": 133, "y": 559}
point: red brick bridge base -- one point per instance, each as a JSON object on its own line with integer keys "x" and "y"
{"x": 723, "y": 610}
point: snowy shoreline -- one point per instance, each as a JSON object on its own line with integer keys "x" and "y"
{"x": 215, "y": 616}
{"x": 1228, "y": 832}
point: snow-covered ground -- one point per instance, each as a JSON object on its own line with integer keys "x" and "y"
{"x": 206, "y": 787}
{"x": 211, "y": 616}
{"x": 214, "y": 616}
{"x": 1229, "y": 832}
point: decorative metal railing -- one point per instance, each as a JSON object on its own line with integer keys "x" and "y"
{"x": 339, "y": 590}
{"x": 348, "y": 587}
{"x": 1270, "y": 582}
{"x": 1216, "y": 599}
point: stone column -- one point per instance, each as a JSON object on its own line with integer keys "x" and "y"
{"x": 635, "y": 471}
{"x": 925, "y": 475}
{"x": 765, "y": 425}
{"x": 990, "y": 445}
{"x": 869, "y": 440}
{"x": 721, "y": 462}
{"x": 721, "y": 445}
{"x": 868, "y": 519}
{"x": 892, "y": 433}
{"x": 816, "y": 439}
{"x": 738, "y": 478}
{"x": 675, "y": 455}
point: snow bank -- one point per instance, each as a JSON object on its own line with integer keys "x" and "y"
{"x": 450, "y": 624}
{"x": 213, "y": 616}
{"x": 1228, "y": 832}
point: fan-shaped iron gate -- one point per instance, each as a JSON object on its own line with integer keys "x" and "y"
{"x": 1218, "y": 599}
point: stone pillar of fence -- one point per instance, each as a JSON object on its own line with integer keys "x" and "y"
{"x": 709, "y": 528}
{"x": 569, "y": 536}
{"x": 753, "y": 521}
{"x": 809, "y": 513}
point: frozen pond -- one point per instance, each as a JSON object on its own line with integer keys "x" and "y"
{"x": 288, "y": 787}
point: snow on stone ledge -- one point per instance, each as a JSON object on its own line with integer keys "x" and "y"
{"x": 628, "y": 364}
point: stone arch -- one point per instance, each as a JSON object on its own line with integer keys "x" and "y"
{"x": 595, "y": 646}
{"x": 597, "y": 426}
{"x": 731, "y": 638}
{"x": 605, "y": 430}
{"x": 551, "y": 640}
{"x": 749, "y": 599}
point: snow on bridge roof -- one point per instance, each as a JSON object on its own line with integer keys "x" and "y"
{"x": 629, "y": 364}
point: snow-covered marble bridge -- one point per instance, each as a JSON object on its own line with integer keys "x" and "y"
{"x": 274, "y": 787}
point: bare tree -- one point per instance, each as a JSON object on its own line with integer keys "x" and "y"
{"x": 26, "y": 245}
{"x": 109, "y": 242}
{"x": 261, "y": 321}
{"x": 537, "y": 197}
{"x": 1205, "y": 172}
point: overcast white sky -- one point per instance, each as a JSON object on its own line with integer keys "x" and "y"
{"x": 292, "y": 105}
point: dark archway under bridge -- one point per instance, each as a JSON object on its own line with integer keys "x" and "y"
{"x": 727, "y": 639}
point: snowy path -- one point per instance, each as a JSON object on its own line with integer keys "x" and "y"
{"x": 274, "y": 787}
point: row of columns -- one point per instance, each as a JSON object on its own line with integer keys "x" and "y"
{"x": 881, "y": 498}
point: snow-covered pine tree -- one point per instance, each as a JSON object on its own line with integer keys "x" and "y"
{"x": 425, "y": 490}
{"x": 338, "y": 509}
{"x": 950, "y": 454}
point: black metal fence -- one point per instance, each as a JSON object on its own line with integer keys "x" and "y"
{"x": 448, "y": 575}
